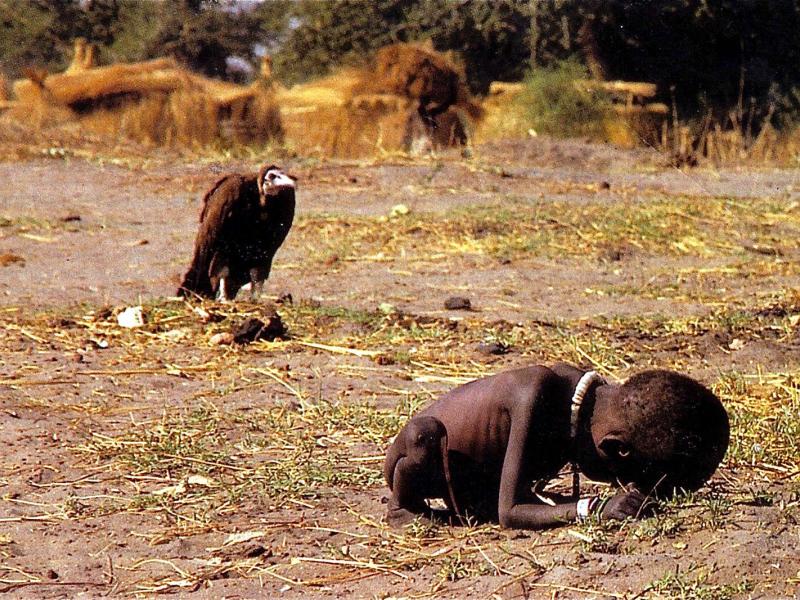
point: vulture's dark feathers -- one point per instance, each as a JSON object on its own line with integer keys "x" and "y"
{"x": 243, "y": 222}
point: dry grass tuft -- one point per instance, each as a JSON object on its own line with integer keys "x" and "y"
{"x": 741, "y": 138}
{"x": 264, "y": 461}
{"x": 206, "y": 465}
{"x": 364, "y": 112}
{"x": 592, "y": 230}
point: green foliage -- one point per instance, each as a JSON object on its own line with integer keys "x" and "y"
{"x": 202, "y": 37}
{"x": 28, "y": 36}
{"x": 556, "y": 106}
{"x": 41, "y": 32}
{"x": 274, "y": 19}
{"x": 711, "y": 55}
{"x": 138, "y": 26}
{"x": 491, "y": 37}
{"x": 554, "y": 31}
{"x": 199, "y": 33}
{"x": 334, "y": 32}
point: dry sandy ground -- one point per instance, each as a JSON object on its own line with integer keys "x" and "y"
{"x": 101, "y": 494}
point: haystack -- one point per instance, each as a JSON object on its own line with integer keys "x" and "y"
{"x": 407, "y": 98}
{"x": 155, "y": 101}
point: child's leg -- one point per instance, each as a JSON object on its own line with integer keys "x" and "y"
{"x": 414, "y": 469}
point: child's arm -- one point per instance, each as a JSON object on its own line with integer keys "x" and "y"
{"x": 624, "y": 504}
{"x": 513, "y": 512}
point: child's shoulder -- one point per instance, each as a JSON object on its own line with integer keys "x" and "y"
{"x": 529, "y": 376}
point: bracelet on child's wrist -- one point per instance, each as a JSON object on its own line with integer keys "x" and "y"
{"x": 600, "y": 505}
{"x": 586, "y": 506}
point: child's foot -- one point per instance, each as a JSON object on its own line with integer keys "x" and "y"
{"x": 398, "y": 517}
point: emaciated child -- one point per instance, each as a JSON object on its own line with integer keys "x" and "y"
{"x": 486, "y": 447}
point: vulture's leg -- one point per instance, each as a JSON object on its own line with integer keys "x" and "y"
{"x": 222, "y": 295}
{"x": 233, "y": 283}
{"x": 219, "y": 272}
{"x": 258, "y": 276}
{"x": 226, "y": 279}
{"x": 256, "y": 289}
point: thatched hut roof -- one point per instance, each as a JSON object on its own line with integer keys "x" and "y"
{"x": 156, "y": 100}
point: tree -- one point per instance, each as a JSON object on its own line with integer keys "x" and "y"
{"x": 202, "y": 35}
{"x": 712, "y": 54}
{"x": 329, "y": 33}
{"x": 34, "y": 33}
{"x": 491, "y": 37}
{"x": 137, "y": 26}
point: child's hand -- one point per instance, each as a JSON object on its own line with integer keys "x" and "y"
{"x": 624, "y": 504}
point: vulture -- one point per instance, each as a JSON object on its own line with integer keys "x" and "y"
{"x": 243, "y": 222}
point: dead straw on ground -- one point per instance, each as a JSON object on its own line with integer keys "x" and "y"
{"x": 218, "y": 466}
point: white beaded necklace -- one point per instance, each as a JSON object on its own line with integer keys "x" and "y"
{"x": 585, "y": 382}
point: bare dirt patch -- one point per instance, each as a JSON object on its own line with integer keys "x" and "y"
{"x": 149, "y": 460}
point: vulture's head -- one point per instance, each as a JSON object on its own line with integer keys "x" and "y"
{"x": 272, "y": 181}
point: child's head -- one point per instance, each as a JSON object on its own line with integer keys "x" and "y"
{"x": 672, "y": 432}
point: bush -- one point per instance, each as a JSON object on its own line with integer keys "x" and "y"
{"x": 555, "y": 105}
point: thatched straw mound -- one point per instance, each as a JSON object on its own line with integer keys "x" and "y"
{"x": 154, "y": 101}
{"x": 310, "y": 111}
{"x": 408, "y": 98}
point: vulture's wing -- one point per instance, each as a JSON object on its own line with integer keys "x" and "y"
{"x": 218, "y": 218}
{"x": 210, "y": 193}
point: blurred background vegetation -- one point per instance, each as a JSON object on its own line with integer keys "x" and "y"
{"x": 707, "y": 57}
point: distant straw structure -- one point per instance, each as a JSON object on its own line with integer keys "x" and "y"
{"x": 380, "y": 107}
{"x": 155, "y": 101}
